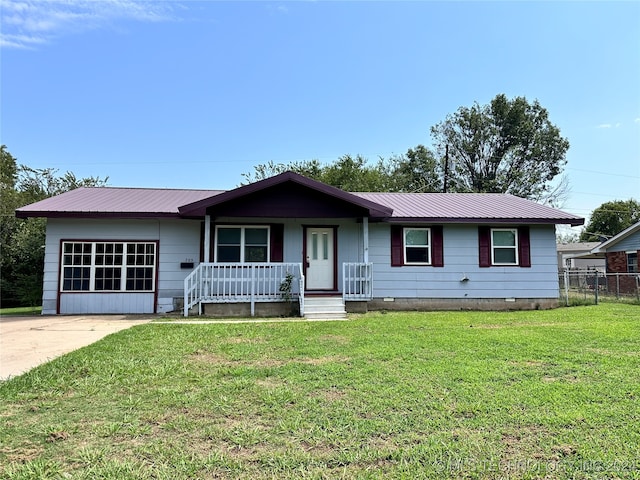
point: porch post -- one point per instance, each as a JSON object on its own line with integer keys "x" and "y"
{"x": 365, "y": 234}
{"x": 207, "y": 238}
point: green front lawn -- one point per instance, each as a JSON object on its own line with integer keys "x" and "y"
{"x": 546, "y": 394}
{"x": 21, "y": 311}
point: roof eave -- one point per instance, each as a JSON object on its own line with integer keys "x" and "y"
{"x": 94, "y": 215}
{"x": 489, "y": 221}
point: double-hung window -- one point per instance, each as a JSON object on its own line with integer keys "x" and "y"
{"x": 242, "y": 244}
{"x": 632, "y": 262}
{"x": 504, "y": 246}
{"x": 108, "y": 266}
{"x": 417, "y": 246}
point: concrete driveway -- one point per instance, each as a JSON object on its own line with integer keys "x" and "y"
{"x": 26, "y": 342}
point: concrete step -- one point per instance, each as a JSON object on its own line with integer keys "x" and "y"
{"x": 309, "y": 310}
{"x": 325, "y": 316}
{"x": 329, "y": 308}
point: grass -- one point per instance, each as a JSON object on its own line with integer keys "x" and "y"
{"x": 587, "y": 297}
{"x": 21, "y": 311}
{"x": 532, "y": 395}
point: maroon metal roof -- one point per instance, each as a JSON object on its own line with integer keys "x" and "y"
{"x": 469, "y": 207}
{"x": 115, "y": 202}
{"x": 393, "y": 207}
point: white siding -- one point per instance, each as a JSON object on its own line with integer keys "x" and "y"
{"x": 85, "y": 303}
{"x": 179, "y": 241}
{"x": 350, "y": 242}
{"x": 461, "y": 261}
{"x": 631, "y": 243}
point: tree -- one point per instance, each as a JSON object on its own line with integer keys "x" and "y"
{"x": 507, "y": 146}
{"x": 416, "y": 171}
{"x": 22, "y": 240}
{"x": 353, "y": 174}
{"x": 308, "y": 168}
{"x": 611, "y": 218}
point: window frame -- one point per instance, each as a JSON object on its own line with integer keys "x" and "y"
{"x": 130, "y": 262}
{"x": 242, "y": 244}
{"x": 428, "y": 246}
{"x": 632, "y": 266}
{"x": 515, "y": 247}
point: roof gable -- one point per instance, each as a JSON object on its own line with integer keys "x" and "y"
{"x": 623, "y": 235}
{"x": 279, "y": 192}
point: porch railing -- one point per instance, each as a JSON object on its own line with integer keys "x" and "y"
{"x": 243, "y": 282}
{"x": 357, "y": 281}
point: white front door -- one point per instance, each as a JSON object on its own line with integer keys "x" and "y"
{"x": 320, "y": 258}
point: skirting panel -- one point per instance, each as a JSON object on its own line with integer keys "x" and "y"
{"x": 488, "y": 304}
{"x": 105, "y": 303}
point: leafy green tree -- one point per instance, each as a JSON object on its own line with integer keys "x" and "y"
{"x": 418, "y": 170}
{"x": 308, "y": 168}
{"x": 507, "y": 146}
{"x": 10, "y": 199}
{"x": 349, "y": 173}
{"x": 415, "y": 171}
{"x": 22, "y": 240}
{"x": 353, "y": 174}
{"x": 36, "y": 184}
{"x": 611, "y": 218}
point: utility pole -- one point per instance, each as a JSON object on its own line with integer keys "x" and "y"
{"x": 446, "y": 168}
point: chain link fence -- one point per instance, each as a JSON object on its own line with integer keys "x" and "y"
{"x": 582, "y": 287}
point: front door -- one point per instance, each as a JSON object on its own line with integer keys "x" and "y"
{"x": 320, "y": 258}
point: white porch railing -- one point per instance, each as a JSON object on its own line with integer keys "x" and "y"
{"x": 243, "y": 282}
{"x": 357, "y": 281}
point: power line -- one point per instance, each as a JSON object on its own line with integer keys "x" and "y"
{"x": 604, "y": 173}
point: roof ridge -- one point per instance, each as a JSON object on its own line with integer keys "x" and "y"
{"x": 111, "y": 187}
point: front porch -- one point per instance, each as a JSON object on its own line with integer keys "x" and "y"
{"x": 262, "y": 282}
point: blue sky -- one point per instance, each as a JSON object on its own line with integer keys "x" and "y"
{"x": 192, "y": 94}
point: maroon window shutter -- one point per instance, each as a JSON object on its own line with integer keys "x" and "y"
{"x": 437, "y": 246}
{"x": 524, "y": 247}
{"x": 484, "y": 246}
{"x": 277, "y": 242}
{"x": 396, "y": 246}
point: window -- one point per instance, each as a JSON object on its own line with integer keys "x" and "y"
{"x": 632, "y": 262}
{"x": 417, "y": 243}
{"x": 323, "y": 239}
{"x": 109, "y": 260}
{"x": 77, "y": 266}
{"x": 504, "y": 246}
{"x": 108, "y": 266}
{"x": 242, "y": 244}
{"x": 417, "y": 246}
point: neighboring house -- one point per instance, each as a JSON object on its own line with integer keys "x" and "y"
{"x": 253, "y": 249}
{"x": 621, "y": 253}
{"x": 578, "y": 256}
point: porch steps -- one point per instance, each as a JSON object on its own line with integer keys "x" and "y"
{"x": 324, "y": 308}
